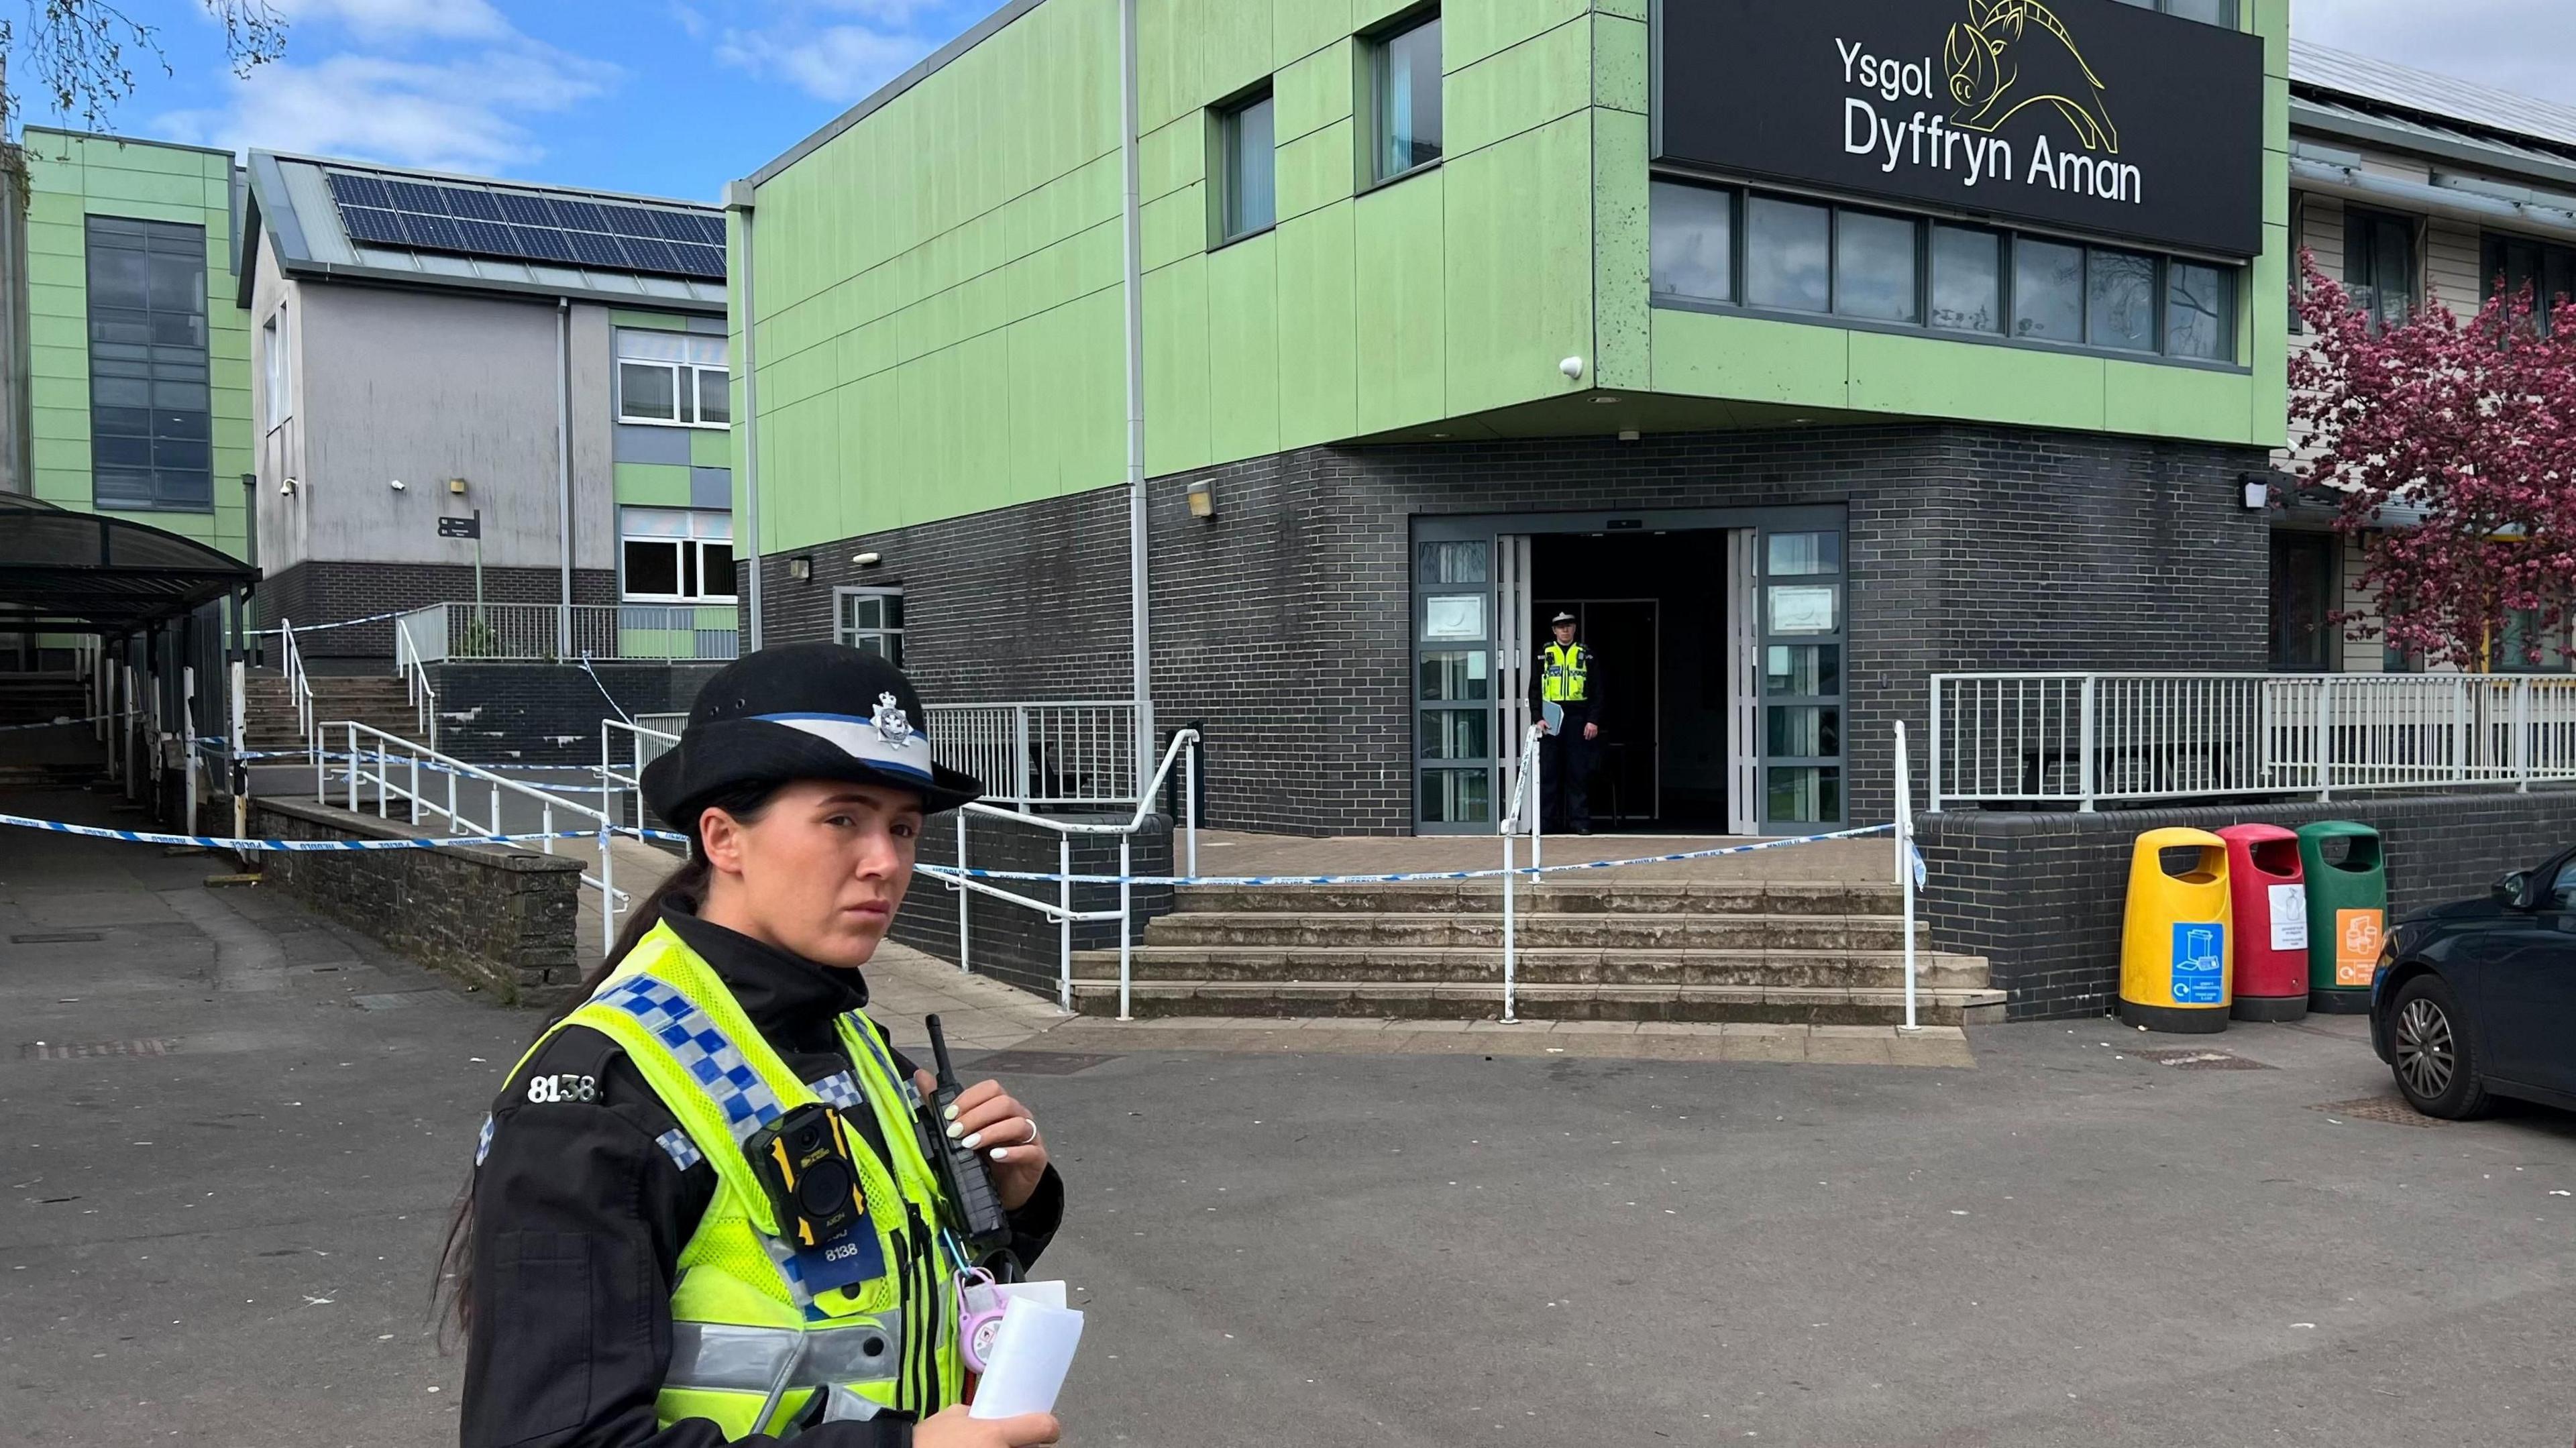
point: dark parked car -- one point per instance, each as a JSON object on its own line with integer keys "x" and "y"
{"x": 2479, "y": 997}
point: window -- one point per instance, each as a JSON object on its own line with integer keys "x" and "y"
{"x": 1715, "y": 247}
{"x": 1802, "y": 668}
{"x": 2533, "y": 641}
{"x": 2379, "y": 264}
{"x": 272, "y": 366}
{"x": 1967, "y": 279}
{"x": 1787, "y": 260}
{"x": 2513, "y": 264}
{"x": 872, "y": 619}
{"x": 1404, "y": 79}
{"x": 151, "y": 411}
{"x": 1250, "y": 189}
{"x": 673, "y": 378}
{"x": 2048, "y": 291}
{"x": 2303, "y": 601}
{"x": 676, "y": 555}
{"x": 1691, "y": 235}
{"x": 1874, "y": 267}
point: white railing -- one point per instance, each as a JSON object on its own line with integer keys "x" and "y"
{"x": 1035, "y": 754}
{"x": 1184, "y": 746}
{"x": 534, "y": 632}
{"x": 414, "y": 668}
{"x": 299, "y": 687}
{"x": 643, "y": 745}
{"x": 1524, "y": 815}
{"x": 2087, "y": 739}
{"x": 393, "y": 766}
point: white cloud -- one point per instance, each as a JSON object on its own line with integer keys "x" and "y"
{"x": 2515, "y": 45}
{"x": 461, "y": 114}
{"x": 837, "y": 63}
{"x": 376, "y": 20}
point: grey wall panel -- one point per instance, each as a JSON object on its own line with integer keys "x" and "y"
{"x": 594, "y": 465}
{"x": 710, "y": 487}
{"x": 637, "y": 444}
{"x": 425, "y": 387}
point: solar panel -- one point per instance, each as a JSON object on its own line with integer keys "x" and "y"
{"x": 437, "y": 233}
{"x": 711, "y": 230}
{"x": 578, "y": 215}
{"x": 412, "y": 196}
{"x": 349, "y": 190}
{"x": 367, "y": 223}
{"x": 649, "y": 254}
{"x": 488, "y": 238}
{"x": 675, "y": 226}
{"x": 542, "y": 243}
{"x": 700, "y": 261}
{"x": 524, "y": 210}
{"x": 594, "y": 249}
{"x": 630, "y": 221}
{"x": 478, "y": 205}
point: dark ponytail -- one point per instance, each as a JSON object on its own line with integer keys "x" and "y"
{"x": 684, "y": 890}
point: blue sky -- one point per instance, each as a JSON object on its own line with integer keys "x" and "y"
{"x": 675, "y": 97}
{"x": 663, "y": 97}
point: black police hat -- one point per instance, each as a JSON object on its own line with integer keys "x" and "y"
{"x": 803, "y": 711}
{"x": 1560, "y": 618}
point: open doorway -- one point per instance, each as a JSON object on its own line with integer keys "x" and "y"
{"x": 1654, "y": 607}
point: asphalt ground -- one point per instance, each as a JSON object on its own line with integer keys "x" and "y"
{"x": 230, "y": 1162}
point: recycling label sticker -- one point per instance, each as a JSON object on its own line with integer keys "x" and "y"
{"x": 2289, "y": 917}
{"x": 2199, "y": 963}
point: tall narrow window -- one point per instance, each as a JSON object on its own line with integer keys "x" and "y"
{"x": 2048, "y": 291}
{"x": 2379, "y": 264}
{"x": 1967, "y": 279}
{"x": 1404, "y": 74}
{"x": 273, "y": 368}
{"x": 151, "y": 411}
{"x": 2200, "y": 312}
{"x": 2120, "y": 300}
{"x": 1874, "y": 267}
{"x": 871, "y": 620}
{"x": 1245, "y": 135}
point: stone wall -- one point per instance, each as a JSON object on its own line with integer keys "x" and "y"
{"x": 1012, "y": 943}
{"x": 503, "y": 919}
{"x": 2044, "y": 896}
{"x": 1282, "y": 622}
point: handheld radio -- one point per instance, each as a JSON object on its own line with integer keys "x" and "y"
{"x": 966, "y": 1179}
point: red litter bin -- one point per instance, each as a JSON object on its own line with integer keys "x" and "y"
{"x": 2269, "y": 898}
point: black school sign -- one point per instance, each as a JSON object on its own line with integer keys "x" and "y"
{"x": 2088, "y": 115}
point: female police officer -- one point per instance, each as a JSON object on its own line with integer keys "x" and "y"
{"x": 633, "y": 1269}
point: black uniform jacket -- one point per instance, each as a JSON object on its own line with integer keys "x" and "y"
{"x": 579, "y": 1218}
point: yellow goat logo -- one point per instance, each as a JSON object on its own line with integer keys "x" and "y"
{"x": 2016, "y": 53}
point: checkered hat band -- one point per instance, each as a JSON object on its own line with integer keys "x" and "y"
{"x": 483, "y": 1142}
{"x": 702, "y": 1049}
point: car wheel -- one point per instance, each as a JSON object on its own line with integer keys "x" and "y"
{"x": 2428, "y": 1037}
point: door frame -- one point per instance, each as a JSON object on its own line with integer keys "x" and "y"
{"x": 1744, "y": 527}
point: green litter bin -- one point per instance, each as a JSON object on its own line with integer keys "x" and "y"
{"x": 2347, "y": 914}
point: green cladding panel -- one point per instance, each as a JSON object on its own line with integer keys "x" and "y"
{"x": 71, "y": 177}
{"x": 942, "y": 328}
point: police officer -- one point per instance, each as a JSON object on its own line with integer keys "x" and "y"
{"x": 628, "y": 1274}
{"x": 1564, "y": 679}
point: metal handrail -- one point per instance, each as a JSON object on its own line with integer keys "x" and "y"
{"x": 418, "y": 756}
{"x": 1184, "y": 745}
{"x": 1525, "y": 790}
{"x": 299, "y": 689}
{"x": 613, "y": 786}
{"x": 415, "y": 673}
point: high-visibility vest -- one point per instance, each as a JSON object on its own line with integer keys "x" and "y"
{"x": 1563, "y": 671}
{"x": 741, "y": 1314}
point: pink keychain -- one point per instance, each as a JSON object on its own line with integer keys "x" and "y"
{"x": 979, "y": 1315}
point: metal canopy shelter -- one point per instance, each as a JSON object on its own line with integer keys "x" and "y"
{"x": 94, "y": 573}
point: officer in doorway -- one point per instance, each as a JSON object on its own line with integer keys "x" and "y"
{"x": 1568, "y": 705}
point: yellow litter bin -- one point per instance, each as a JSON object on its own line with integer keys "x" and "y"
{"x": 2176, "y": 953}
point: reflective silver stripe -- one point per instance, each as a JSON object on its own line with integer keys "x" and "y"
{"x": 719, "y": 1357}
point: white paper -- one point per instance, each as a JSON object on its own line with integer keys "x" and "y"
{"x": 1031, "y": 1354}
{"x": 2289, "y": 917}
{"x": 1050, "y": 1293}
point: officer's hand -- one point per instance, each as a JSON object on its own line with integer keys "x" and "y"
{"x": 951, "y": 1428}
{"x": 987, "y": 1120}
{"x": 1591, "y": 731}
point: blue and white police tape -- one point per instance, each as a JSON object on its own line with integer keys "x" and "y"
{"x": 59, "y": 721}
{"x": 1414, "y": 877}
{"x": 221, "y": 842}
{"x": 336, "y": 623}
{"x": 213, "y": 745}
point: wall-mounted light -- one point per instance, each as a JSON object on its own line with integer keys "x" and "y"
{"x": 2258, "y": 491}
{"x": 800, "y": 568}
{"x": 286, "y": 488}
{"x": 396, "y": 485}
{"x": 456, "y": 485}
{"x": 1202, "y": 496}
{"x": 1627, "y": 434}
{"x": 866, "y": 560}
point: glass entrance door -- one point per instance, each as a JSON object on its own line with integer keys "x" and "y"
{"x": 1454, "y": 622}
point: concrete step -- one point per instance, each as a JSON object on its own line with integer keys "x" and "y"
{"x": 1535, "y": 929}
{"x": 1443, "y": 1000}
{"x": 1563, "y": 894}
{"x": 1803, "y": 970}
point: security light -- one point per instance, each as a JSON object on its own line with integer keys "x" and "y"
{"x": 864, "y": 560}
{"x": 1202, "y": 496}
{"x": 1572, "y": 367}
{"x": 456, "y": 485}
{"x": 800, "y": 568}
{"x": 397, "y": 485}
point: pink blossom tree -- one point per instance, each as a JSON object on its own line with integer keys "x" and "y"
{"x": 2466, "y": 423}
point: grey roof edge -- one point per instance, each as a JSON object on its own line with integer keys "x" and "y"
{"x": 345, "y": 163}
{"x": 309, "y": 269}
{"x": 929, "y": 66}
{"x": 267, "y": 212}
{"x": 79, "y": 135}
{"x": 2307, "y": 117}
{"x": 2449, "y": 99}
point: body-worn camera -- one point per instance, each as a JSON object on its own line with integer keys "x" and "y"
{"x": 804, "y": 1161}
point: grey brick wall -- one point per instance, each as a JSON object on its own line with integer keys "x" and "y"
{"x": 1282, "y": 623}
{"x": 311, "y": 593}
{"x": 2044, "y": 896}
{"x": 1013, "y": 943}
{"x": 548, "y": 713}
